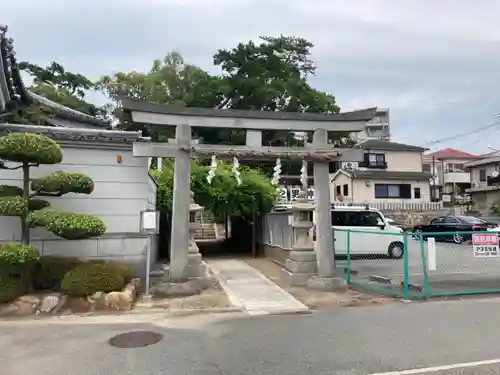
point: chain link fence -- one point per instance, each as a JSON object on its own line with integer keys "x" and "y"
{"x": 461, "y": 268}
{"x": 432, "y": 265}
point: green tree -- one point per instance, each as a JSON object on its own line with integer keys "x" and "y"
{"x": 223, "y": 195}
{"x": 25, "y": 151}
{"x": 272, "y": 76}
{"x": 60, "y": 86}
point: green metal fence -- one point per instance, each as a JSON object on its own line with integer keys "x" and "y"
{"x": 430, "y": 266}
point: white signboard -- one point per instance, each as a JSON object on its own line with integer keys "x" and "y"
{"x": 485, "y": 245}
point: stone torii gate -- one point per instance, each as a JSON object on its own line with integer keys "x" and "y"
{"x": 254, "y": 122}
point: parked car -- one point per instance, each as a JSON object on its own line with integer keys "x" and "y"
{"x": 393, "y": 222}
{"x": 377, "y": 236}
{"x": 455, "y": 225}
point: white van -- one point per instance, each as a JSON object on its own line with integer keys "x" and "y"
{"x": 386, "y": 238}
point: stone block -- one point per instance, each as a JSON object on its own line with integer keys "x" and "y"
{"x": 302, "y": 256}
{"x": 295, "y": 279}
{"x": 301, "y": 267}
{"x": 326, "y": 284}
{"x": 194, "y": 259}
{"x": 198, "y": 270}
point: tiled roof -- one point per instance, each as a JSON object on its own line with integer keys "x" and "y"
{"x": 451, "y": 153}
{"x": 389, "y": 175}
{"x": 376, "y": 144}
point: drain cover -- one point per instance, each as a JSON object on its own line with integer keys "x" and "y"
{"x": 137, "y": 339}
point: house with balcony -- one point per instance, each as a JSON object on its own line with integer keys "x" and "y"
{"x": 450, "y": 179}
{"x": 391, "y": 173}
{"x": 485, "y": 183}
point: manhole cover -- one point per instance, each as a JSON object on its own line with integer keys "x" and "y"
{"x": 137, "y": 339}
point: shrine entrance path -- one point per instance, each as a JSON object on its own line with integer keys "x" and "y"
{"x": 250, "y": 290}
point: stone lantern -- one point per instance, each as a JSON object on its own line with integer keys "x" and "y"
{"x": 196, "y": 267}
{"x": 301, "y": 263}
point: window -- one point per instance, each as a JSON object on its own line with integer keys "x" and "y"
{"x": 345, "y": 190}
{"x": 374, "y": 160}
{"x": 393, "y": 191}
{"x": 436, "y": 221}
{"x": 338, "y": 190}
{"x": 416, "y": 193}
{"x": 450, "y": 220}
{"x": 482, "y": 175}
{"x": 355, "y": 218}
{"x": 454, "y": 167}
{"x": 426, "y": 168}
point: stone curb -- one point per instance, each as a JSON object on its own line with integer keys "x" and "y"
{"x": 142, "y": 311}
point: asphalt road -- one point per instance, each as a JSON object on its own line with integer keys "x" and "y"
{"x": 347, "y": 341}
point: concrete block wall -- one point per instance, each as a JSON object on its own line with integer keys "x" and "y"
{"x": 123, "y": 188}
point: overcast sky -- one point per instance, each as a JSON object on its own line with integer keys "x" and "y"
{"x": 434, "y": 63}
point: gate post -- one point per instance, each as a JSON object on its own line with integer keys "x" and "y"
{"x": 326, "y": 279}
{"x": 179, "y": 240}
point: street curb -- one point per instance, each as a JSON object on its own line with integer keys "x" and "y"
{"x": 146, "y": 311}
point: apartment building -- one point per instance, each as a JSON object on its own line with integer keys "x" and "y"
{"x": 377, "y": 128}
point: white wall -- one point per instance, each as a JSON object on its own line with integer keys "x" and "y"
{"x": 121, "y": 190}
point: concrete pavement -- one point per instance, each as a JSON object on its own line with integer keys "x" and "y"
{"x": 250, "y": 290}
{"x": 393, "y": 338}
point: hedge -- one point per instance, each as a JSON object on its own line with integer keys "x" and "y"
{"x": 50, "y": 270}
{"x": 63, "y": 183}
{"x": 12, "y": 254}
{"x": 10, "y": 289}
{"x": 12, "y": 206}
{"x": 75, "y": 226}
{"x": 30, "y": 148}
{"x": 40, "y": 218}
{"x": 35, "y": 204}
{"x": 89, "y": 278}
{"x": 10, "y": 191}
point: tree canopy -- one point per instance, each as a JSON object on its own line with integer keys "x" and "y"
{"x": 223, "y": 195}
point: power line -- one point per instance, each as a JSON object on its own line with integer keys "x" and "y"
{"x": 495, "y": 124}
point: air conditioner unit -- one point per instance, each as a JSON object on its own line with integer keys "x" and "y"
{"x": 348, "y": 165}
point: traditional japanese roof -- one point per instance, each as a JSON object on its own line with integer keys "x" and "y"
{"x": 377, "y": 144}
{"x": 384, "y": 175}
{"x": 65, "y": 113}
{"x": 76, "y": 135}
{"x": 13, "y": 93}
{"x": 131, "y": 104}
{"x": 451, "y": 153}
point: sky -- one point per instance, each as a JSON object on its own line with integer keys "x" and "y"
{"x": 434, "y": 63}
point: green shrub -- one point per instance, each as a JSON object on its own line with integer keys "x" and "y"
{"x": 35, "y": 204}
{"x": 121, "y": 268}
{"x": 12, "y": 206}
{"x": 50, "y": 270}
{"x": 63, "y": 183}
{"x": 40, "y": 218}
{"x": 12, "y": 254}
{"x": 10, "y": 289}
{"x": 30, "y": 148}
{"x": 89, "y": 278}
{"x": 10, "y": 191}
{"x": 75, "y": 226}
